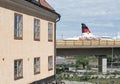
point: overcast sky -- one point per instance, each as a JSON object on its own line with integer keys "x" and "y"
{"x": 101, "y": 16}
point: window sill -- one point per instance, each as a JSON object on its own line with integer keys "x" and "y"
{"x": 50, "y": 40}
{"x": 17, "y": 78}
{"x": 36, "y": 39}
{"x": 50, "y": 69}
{"x": 18, "y": 38}
{"x": 35, "y": 73}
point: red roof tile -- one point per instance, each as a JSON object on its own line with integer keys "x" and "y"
{"x": 45, "y": 4}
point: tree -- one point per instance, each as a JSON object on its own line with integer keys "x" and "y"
{"x": 109, "y": 58}
{"x": 82, "y": 60}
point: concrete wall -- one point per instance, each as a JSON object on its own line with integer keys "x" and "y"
{"x": 26, "y": 49}
{"x": 102, "y": 63}
{"x": 87, "y": 51}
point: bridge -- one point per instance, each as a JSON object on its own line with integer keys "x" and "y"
{"x": 88, "y": 47}
{"x": 100, "y": 48}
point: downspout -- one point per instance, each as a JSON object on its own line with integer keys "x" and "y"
{"x": 59, "y": 16}
{"x": 58, "y": 19}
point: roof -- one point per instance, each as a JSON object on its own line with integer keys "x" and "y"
{"x": 45, "y": 4}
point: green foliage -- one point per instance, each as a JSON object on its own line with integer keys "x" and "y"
{"x": 82, "y": 60}
{"x": 109, "y": 58}
{"x": 113, "y": 59}
{"x": 85, "y": 78}
{"x": 59, "y": 71}
{"x": 106, "y": 81}
{"x": 73, "y": 79}
{"x": 89, "y": 67}
{"x": 60, "y": 68}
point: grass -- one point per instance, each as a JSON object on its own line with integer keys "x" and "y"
{"x": 105, "y": 81}
{"x": 100, "y": 81}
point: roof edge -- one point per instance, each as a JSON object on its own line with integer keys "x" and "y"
{"x": 46, "y": 8}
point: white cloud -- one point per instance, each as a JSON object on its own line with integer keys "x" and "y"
{"x": 105, "y": 25}
{"x": 100, "y": 14}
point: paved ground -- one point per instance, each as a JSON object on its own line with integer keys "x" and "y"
{"x": 74, "y": 82}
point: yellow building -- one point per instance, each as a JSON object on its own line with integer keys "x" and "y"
{"x": 27, "y": 41}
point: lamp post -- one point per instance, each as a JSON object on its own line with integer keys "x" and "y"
{"x": 62, "y": 36}
{"x": 112, "y": 58}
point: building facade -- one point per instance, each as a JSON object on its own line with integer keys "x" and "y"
{"x": 27, "y": 41}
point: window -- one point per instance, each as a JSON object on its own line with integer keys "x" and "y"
{"x": 36, "y": 30}
{"x": 18, "y": 69}
{"x": 50, "y": 32}
{"x": 36, "y": 65}
{"x": 18, "y": 26}
{"x": 50, "y": 63}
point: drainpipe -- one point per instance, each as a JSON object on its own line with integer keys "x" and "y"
{"x": 59, "y": 16}
{"x": 58, "y": 19}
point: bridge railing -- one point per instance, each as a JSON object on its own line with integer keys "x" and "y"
{"x": 88, "y": 43}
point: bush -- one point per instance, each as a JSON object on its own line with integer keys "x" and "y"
{"x": 85, "y": 78}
